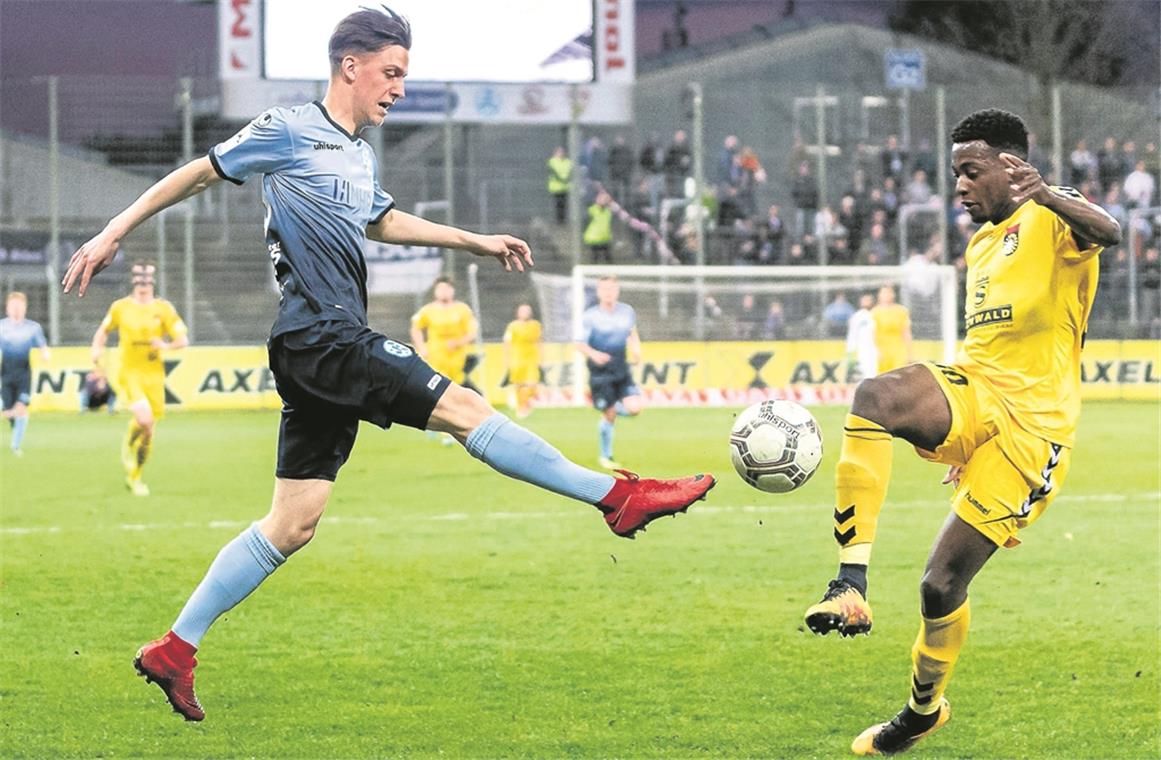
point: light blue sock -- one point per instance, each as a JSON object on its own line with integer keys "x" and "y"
{"x": 621, "y": 410}
{"x": 606, "y": 429}
{"x": 238, "y": 569}
{"x": 19, "y": 425}
{"x": 508, "y": 448}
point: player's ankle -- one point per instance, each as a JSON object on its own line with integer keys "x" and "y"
{"x": 854, "y": 574}
{"x": 917, "y": 722}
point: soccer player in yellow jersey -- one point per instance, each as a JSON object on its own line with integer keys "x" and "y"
{"x": 1003, "y": 416}
{"x": 892, "y": 331}
{"x": 147, "y": 326}
{"x": 522, "y": 357}
{"x": 442, "y": 331}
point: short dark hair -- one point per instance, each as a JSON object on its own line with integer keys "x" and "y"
{"x": 368, "y": 31}
{"x": 444, "y": 281}
{"x": 999, "y": 129}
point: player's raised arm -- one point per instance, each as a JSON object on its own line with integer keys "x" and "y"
{"x": 1090, "y": 223}
{"x": 99, "y": 251}
{"x": 407, "y": 229}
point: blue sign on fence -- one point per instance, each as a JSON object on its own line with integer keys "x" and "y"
{"x": 904, "y": 69}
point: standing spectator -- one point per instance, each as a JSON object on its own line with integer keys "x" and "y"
{"x": 1139, "y": 187}
{"x": 1152, "y": 159}
{"x": 678, "y": 159}
{"x": 1128, "y": 156}
{"x": 726, "y": 165}
{"x": 1115, "y": 206}
{"x": 1151, "y": 292}
{"x": 620, "y": 169}
{"x": 836, "y": 315}
{"x": 750, "y": 175}
{"x": 559, "y": 175}
{"x": 1110, "y": 166}
{"x": 773, "y": 235}
{"x": 894, "y": 159}
{"x": 891, "y": 199}
{"x": 918, "y": 191}
{"x": 874, "y": 249}
{"x": 825, "y": 224}
{"x": 796, "y": 256}
{"x": 1080, "y": 164}
{"x": 850, "y": 218}
{"x": 749, "y": 319}
{"x": 730, "y": 208}
{"x": 1037, "y": 157}
{"x": 805, "y": 195}
{"x": 598, "y": 234}
{"x": 859, "y": 189}
{"x": 595, "y": 160}
{"x": 775, "y": 322}
{"x": 924, "y": 158}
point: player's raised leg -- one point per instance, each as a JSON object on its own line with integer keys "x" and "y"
{"x": 959, "y": 553}
{"x": 907, "y": 403}
{"x": 239, "y": 568}
{"x": 629, "y": 503}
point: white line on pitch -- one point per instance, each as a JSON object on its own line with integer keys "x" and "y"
{"x": 1145, "y": 498}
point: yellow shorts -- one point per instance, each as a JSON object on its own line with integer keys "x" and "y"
{"x": 1010, "y": 476}
{"x": 524, "y": 374}
{"x": 451, "y": 367}
{"x": 135, "y": 387}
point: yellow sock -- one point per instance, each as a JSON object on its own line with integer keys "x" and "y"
{"x": 933, "y": 657}
{"x": 144, "y": 447}
{"x": 861, "y": 477}
{"x": 129, "y": 447}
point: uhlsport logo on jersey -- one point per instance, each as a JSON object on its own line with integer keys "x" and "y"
{"x": 320, "y": 145}
{"x": 1011, "y": 240}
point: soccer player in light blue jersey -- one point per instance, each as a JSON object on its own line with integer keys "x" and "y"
{"x": 323, "y": 198}
{"x": 610, "y": 343}
{"x": 18, "y": 336}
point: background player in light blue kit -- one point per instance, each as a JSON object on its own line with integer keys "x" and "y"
{"x": 18, "y": 336}
{"x": 610, "y": 343}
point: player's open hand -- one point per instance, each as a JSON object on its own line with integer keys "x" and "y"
{"x": 1025, "y": 180}
{"x": 952, "y": 476}
{"x": 89, "y": 259}
{"x": 511, "y": 251}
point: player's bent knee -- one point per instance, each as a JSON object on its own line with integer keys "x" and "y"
{"x": 459, "y": 412}
{"x": 942, "y": 593}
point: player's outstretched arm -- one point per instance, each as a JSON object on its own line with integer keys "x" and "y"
{"x": 99, "y": 252}
{"x": 407, "y": 229}
{"x": 1089, "y": 222}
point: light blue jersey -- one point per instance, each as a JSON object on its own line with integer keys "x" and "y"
{"x": 609, "y": 331}
{"x": 17, "y": 339}
{"x": 321, "y": 191}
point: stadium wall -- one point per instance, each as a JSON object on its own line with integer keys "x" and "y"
{"x": 671, "y": 374}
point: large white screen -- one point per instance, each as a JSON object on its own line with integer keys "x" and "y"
{"x": 452, "y": 40}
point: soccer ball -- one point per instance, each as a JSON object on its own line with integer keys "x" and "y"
{"x": 775, "y": 446}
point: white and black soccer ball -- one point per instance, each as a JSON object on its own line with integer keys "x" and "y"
{"x": 775, "y": 446}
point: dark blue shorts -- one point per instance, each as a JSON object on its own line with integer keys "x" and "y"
{"x": 331, "y": 376}
{"x": 15, "y": 388}
{"x": 607, "y": 391}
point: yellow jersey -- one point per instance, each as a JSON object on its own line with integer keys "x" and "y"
{"x": 441, "y": 324}
{"x": 139, "y": 324}
{"x": 892, "y": 323}
{"x": 1030, "y": 290}
{"x": 524, "y": 336}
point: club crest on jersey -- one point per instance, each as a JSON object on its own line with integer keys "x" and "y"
{"x": 1011, "y": 240}
{"x": 981, "y": 292}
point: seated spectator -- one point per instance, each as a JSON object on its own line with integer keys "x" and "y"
{"x": 748, "y": 323}
{"x": 875, "y": 248}
{"x": 1081, "y": 164}
{"x": 796, "y": 256}
{"x": 1139, "y": 187}
{"x": 836, "y": 315}
{"x": 1110, "y": 166}
{"x": 851, "y": 219}
{"x": 918, "y": 191}
{"x": 773, "y": 234}
{"x": 775, "y": 322}
{"x": 894, "y": 159}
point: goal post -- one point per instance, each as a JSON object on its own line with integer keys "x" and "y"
{"x": 718, "y": 307}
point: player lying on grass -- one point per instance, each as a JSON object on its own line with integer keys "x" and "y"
{"x": 1003, "y": 416}
{"x": 322, "y": 199}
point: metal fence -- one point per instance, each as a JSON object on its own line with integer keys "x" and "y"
{"x": 74, "y": 151}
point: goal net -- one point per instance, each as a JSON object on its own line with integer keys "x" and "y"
{"x": 735, "y": 334}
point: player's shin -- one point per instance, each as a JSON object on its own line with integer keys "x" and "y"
{"x": 605, "y": 434}
{"x": 19, "y": 428}
{"x": 239, "y": 568}
{"x": 518, "y": 453}
{"x": 861, "y": 478}
{"x": 933, "y": 657}
{"x": 129, "y": 446}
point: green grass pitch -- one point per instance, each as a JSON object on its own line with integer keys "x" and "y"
{"x": 445, "y": 610}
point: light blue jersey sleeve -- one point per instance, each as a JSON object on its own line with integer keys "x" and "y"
{"x": 263, "y": 146}
{"x": 382, "y": 202}
{"x": 39, "y": 340}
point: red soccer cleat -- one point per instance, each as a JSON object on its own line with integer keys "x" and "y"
{"x": 634, "y": 503}
{"x": 169, "y": 663}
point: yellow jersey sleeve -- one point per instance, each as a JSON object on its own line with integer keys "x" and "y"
{"x": 112, "y": 318}
{"x": 1064, "y": 239}
{"x": 508, "y": 332}
{"x": 468, "y": 321}
{"x": 422, "y": 318}
{"x": 171, "y": 322}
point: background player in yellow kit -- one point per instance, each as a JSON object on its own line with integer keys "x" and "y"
{"x": 442, "y": 331}
{"x": 147, "y": 326}
{"x": 522, "y": 357}
{"x": 892, "y": 331}
{"x": 1003, "y": 417}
